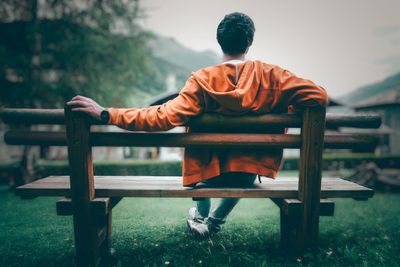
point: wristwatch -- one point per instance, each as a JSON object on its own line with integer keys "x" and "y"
{"x": 104, "y": 116}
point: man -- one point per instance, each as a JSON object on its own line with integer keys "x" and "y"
{"x": 235, "y": 87}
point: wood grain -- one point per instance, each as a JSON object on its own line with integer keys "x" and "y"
{"x": 243, "y": 141}
{"x": 206, "y": 121}
{"x": 171, "y": 186}
{"x": 294, "y": 207}
{"x": 100, "y": 206}
{"x": 82, "y": 189}
{"x": 310, "y": 174}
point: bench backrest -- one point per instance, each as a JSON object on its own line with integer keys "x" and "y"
{"x": 311, "y": 141}
{"x": 311, "y": 138}
{"x": 240, "y": 132}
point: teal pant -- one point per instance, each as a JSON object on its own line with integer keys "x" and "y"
{"x": 217, "y": 217}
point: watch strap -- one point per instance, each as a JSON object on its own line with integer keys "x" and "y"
{"x": 104, "y": 116}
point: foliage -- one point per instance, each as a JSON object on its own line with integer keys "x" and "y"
{"x": 54, "y": 49}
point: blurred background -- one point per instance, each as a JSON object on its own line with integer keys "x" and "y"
{"x": 136, "y": 53}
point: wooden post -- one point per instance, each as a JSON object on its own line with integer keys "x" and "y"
{"x": 82, "y": 188}
{"x": 105, "y": 247}
{"x": 310, "y": 177}
{"x": 289, "y": 230}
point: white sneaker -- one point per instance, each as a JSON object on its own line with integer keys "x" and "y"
{"x": 198, "y": 229}
{"x": 195, "y": 216}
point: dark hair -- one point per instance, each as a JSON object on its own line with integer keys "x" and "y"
{"x": 235, "y": 33}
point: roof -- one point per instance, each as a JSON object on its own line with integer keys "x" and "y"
{"x": 388, "y": 98}
{"x": 334, "y": 103}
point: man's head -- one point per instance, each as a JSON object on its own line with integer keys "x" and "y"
{"x": 235, "y": 33}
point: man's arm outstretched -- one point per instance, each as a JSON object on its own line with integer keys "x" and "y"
{"x": 176, "y": 112}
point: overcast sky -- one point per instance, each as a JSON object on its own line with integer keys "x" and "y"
{"x": 340, "y": 45}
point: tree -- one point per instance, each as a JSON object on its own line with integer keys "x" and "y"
{"x": 54, "y": 49}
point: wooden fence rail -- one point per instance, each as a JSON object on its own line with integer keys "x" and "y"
{"x": 218, "y": 140}
{"x": 206, "y": 121}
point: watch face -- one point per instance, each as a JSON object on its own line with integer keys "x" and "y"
{"x": 104, "y": 116}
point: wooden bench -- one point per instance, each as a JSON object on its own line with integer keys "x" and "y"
{"x": 90, "y": 199}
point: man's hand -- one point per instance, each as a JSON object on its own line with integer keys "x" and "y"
{"x": 86, "y": 105}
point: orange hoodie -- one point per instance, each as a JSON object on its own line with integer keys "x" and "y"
{"x": 232, "y": 88}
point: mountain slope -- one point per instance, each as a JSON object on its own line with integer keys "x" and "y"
{"x": 170, "y": 50}
{"x": 174, "y": 59}
{"x": 366, "y": 93}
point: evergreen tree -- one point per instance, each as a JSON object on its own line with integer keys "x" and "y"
{"x": 51, "y": 50}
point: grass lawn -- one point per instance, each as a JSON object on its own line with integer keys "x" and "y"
{"x": 152, "y": 232}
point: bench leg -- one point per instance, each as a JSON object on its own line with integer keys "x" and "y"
{"x": 298, "y": 234}
{"x": 101, "y": 212}
{"x": 312, "y": 132}
{"x": 106, "y": 250}
{"x": 105, "y": 247}
{"x": 94, "y": 246}
{"x": 86, "y": 238}
{"x": 289, "y": 225}
{"x": 307, "y": 236}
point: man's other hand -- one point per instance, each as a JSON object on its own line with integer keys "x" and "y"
{"x": 86, "y": 105}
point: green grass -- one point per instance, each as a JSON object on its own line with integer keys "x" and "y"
{"x": 152, "y": 232}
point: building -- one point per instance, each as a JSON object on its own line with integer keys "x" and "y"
{"x": 388, "y": 106}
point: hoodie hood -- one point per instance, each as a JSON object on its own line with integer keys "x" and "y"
{"x": 233, "y": 85}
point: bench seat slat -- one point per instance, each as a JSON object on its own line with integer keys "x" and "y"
{"x": 171, "y": 186}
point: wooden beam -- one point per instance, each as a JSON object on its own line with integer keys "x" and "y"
{"x": 101, "y": 231}
{"x": 82, "y": 188}
{"x": 214, "y": 122}
{"x": 289, "y": 232}
{"x": 100, "y": 206}
{"x": 358, "y": 120}
{"x": 206, "y": 121}
{"x": 64, "y": 207}
{"x": 105, "y": 248}
{"x": 310, "y": 177}
{"x": 221, "y": 140}
{"x": 171, "y": 186}
{"x": 158, "y": 139}
{"x": 214, "y": 140}
{"x": 350, "y": 141}
{"x": 32, "y": 116}
{"x": 45, "y": 138}
{"x": 294, "y": 207}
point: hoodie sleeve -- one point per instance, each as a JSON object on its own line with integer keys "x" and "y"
{"x": 296, "y": 91}
{"x": 175, "y": 112}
